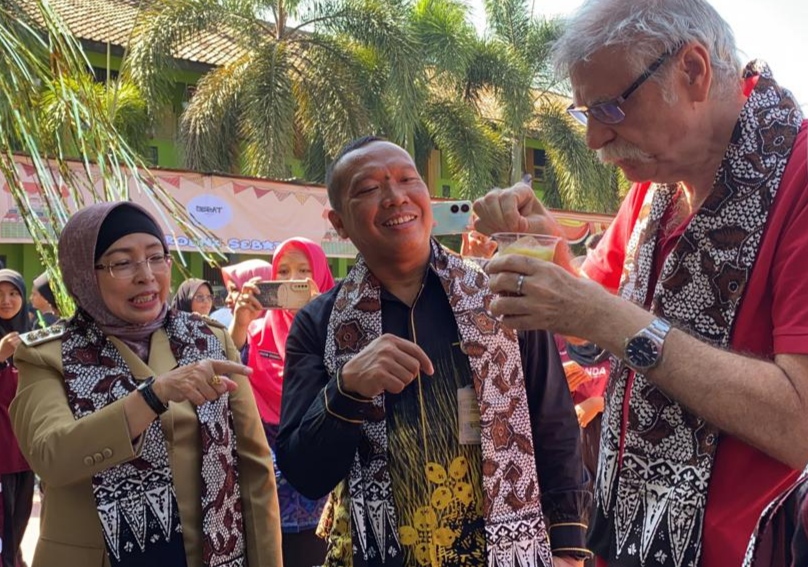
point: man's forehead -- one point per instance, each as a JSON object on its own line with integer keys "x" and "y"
{"x": 376, "y": 154}
{"x": 599, "y": 74}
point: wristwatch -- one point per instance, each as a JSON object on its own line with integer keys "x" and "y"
{"x": 145, "y": 389}
{"x": 643, "y": 351}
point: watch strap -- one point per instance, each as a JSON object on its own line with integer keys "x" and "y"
{"x": 659, "y": 328}
{"x": 656, "y": 331}
{"x": 147, "y": 391}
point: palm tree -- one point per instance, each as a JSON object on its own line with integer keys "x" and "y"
{"x": 513, "y": 60}
{"x": 120, "y": 101}
{"x": 291, "y": 81}
{"x": 343, "y": 69}
{"x": 40, "y": 56}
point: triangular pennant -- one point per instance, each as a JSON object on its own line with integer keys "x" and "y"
{"x": 322, "y": 199}
{"x": 302, "y": 198}
{"x": 238, "y": 188}
{"x": 170, "y": 179}
{"x": 160, "y": 502}
{"x": 134, "y": 512}
{"x": 261, "y": 192}
{"x": 28, "y": 170}
{"x": 111, "y": 526}
{"x": 282, "y": 195}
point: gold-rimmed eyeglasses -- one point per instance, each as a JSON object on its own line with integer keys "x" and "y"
{"x": 157, "y": 263}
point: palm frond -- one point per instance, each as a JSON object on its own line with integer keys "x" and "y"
{"x": 509, "y": 20}
{"x": 472, "y": 148}
{"x": 445, "y": 34}
{"x": 166, "y": 25}
{"x": 209, "y": 127}
{"x": 44, "y": 57}
{"x": 384, "y": 27}
{"x": 331, "y": 103}
{"x": 583, "y": 183}
{"x": 268, "y": 119}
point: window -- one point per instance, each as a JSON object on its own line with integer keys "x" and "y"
{"x": 153, "y": 157}
{"x": 539, "y": 165}
{"x": 100, "y": 74}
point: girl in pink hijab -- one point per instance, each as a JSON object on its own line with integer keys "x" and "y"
{"x": 234, "y": 278}
{"x": 264, "y": 340}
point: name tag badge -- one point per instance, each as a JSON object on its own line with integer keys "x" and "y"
{"x": 270, "y": 355}
{"x": 468, "y": 416}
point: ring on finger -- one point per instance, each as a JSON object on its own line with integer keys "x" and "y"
{"x": 215, "y": 380}
{"x": 519, "y": 283}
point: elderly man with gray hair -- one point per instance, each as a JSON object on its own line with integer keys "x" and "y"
{"x": 706, "y": 407}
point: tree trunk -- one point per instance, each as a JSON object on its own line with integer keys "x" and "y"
{"x": 517, "y": 160}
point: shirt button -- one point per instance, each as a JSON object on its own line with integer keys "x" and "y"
{"x": 98, "y": 457}
{"x": 107, "y": 452}
{"x": 88, "y": 460}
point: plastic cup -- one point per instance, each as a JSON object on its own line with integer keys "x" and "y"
{"x": 541, "y": 246}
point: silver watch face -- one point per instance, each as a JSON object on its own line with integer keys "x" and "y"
{"x": 642, "y": 352}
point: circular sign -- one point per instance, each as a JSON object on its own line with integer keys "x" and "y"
{"x": 210, "y": 211}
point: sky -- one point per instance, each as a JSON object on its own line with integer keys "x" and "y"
{"x": 773, "y": 30}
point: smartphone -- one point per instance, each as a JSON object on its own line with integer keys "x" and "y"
{"x": 451, "y": 217}
{"x": 283, "y": 294}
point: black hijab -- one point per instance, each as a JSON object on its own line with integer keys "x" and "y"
{"x": 186, "y": 292}
{"x": 19, "y": 322}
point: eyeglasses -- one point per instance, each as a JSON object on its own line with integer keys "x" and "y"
{"x": 609, "y": 112}
{"x": 202, "y": 298}
{"x": 158, "y": 264}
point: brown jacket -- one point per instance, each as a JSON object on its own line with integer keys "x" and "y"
{"x": 66, "y": 453}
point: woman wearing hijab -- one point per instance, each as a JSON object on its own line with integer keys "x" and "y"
{"x": 43, "y": 300}
{"x": 234, "y": 278}
{"x": 15, "y": 474}
{"x": 137, "y": 417}
{"x": 264, "y": 339}
{"x": 194, "y": 296}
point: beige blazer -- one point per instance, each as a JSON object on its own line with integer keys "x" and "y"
{"x": 66, "y": 453}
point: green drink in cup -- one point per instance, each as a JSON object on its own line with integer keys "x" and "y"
{"x": 541, "y": 246}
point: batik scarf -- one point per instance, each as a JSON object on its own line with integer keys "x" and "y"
{"x": 514, "y": 526}
{"x": 653, "y": 499}
{"x": 136, "y": 500}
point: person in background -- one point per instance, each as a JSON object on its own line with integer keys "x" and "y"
{"x": 264, "y": 342}
{"x": 781, "y": 536}
{"x": 444, "y": 436}
{"x": 44, "y": 301}
{"x": 587, "y": 368}
{"x": 139, "y": 418}
{"x": 193, "y": 296}
{"x": 234, "y": 278}
{"x": 16, "y": 477}
{"x": 705, "y": 418}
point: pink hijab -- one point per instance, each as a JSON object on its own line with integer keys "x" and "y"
{"x": 244, "y": 271}
{"x": 267, "y": 336}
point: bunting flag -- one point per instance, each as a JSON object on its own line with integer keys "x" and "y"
{"x": 234, "y": 209}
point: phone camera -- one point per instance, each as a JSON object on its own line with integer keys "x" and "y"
{"x": 454, "y": 208}
{"x": 465, "y": 208}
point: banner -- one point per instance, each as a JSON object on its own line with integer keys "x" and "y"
{"x": 247, "y": 215}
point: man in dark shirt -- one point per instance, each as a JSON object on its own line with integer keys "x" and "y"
{"x": 427, "y": 419}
